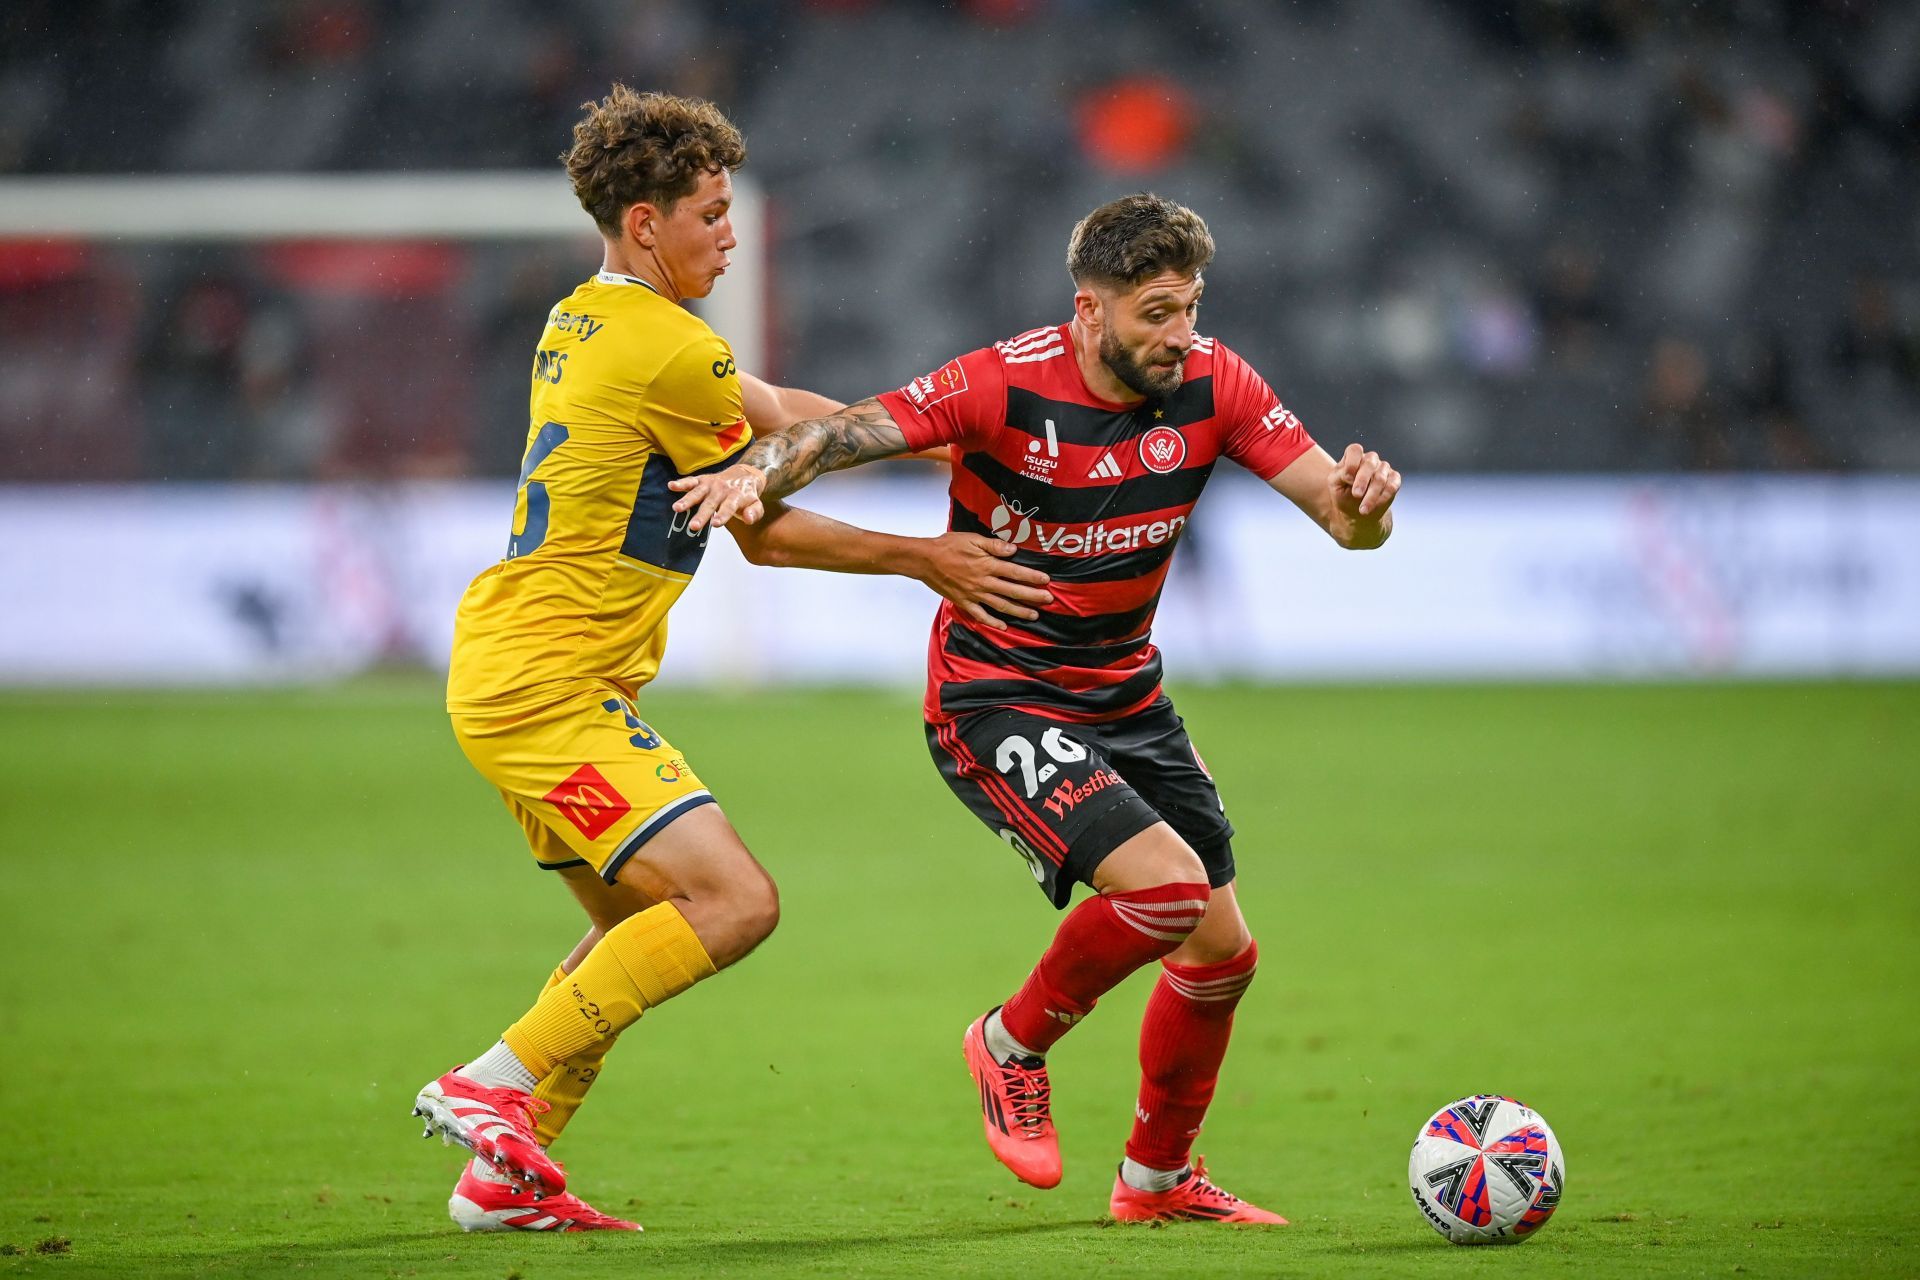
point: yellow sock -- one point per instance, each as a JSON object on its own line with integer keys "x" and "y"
{"x": 643, "y": 961}
{"x": 565, "y": 1087}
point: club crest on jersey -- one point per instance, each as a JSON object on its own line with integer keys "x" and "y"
{"x": 930, "y": 389}
{"x": 1162, "y": 450}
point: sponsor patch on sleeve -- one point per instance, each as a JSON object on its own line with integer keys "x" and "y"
{"x": 930, "y": 389}
{"x": 1280, "y": 418}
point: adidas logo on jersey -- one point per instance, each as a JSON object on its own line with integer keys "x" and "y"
{"x": 1108, "y": 468}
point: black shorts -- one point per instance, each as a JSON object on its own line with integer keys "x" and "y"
{"x": 1067, "y": 795}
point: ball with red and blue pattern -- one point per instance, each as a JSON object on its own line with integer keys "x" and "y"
{"x": 1486, "y": 1170}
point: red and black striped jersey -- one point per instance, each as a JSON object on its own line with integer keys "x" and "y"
{"x": 1093, "y": 493}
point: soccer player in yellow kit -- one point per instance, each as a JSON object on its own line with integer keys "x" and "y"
{"x": 551, "y": 645}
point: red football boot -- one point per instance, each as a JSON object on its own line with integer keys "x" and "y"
{"x": 1015, "y": 1107}
{"x": 486, "y": 1201}
{"x": 494, "y": 1124}
{"x": 1196, "y": 1199}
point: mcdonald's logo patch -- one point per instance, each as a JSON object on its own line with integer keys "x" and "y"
{"x": 589, "y": 802}
{"x": 930, "y": 389}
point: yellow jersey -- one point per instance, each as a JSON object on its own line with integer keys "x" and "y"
{"x": 630, "y": 391}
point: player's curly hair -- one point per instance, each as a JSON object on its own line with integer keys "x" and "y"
{"x": 631, "y": 147}
{"x": 1136, "y": 238}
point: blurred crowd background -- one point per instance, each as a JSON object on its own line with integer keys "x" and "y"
{"x": 1567, "y": 235}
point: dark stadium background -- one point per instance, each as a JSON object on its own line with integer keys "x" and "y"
{"x": 1595, "y": 786}
{"x": 1548, "y": 235}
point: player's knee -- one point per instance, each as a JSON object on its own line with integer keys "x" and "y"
{"x": 763, "y": 909}
{"x": 1180, "y": 867}
{"x": 1151, "y": 859}
{"x": 1188, "y": 869}
{"x": 754, "y": 911}
{"x": 1206, "y": 948}
{"x": 733, "y": 916}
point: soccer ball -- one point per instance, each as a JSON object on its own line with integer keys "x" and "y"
{"x": 1486, "y": 1170}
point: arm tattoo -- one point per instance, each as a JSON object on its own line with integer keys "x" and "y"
{"x": 794, "y": 457}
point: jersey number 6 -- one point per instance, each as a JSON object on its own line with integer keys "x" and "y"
{"x": 532, "y": 530}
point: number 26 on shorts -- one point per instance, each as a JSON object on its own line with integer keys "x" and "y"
{"x": 1015, "y": 750}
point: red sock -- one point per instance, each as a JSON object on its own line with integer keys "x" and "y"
{"x": 1100, "y": 942}
{"x": 1183, "y": 1039}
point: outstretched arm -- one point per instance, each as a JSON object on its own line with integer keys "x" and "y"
{"x": 970, "y": 570}
{"x": 776, "y": 465}
{"x": 770, "y": 408}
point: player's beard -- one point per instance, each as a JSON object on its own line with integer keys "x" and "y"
{"x": 1140, "y": 378}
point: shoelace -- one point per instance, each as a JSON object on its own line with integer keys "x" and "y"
{"x": 1203, "y": 1185}
{"x": 1031, "y": 1092}
{"x": 517, "y": 1107}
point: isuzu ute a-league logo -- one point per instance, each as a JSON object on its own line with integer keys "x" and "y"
{"x": 1042, "y": 468}
{"x": 1162, "y": 450}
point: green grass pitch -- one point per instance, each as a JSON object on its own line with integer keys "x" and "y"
{"x": 1684, "y": 922}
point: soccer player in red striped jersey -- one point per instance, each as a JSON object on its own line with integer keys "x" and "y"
{"x": 1086, "y": 445}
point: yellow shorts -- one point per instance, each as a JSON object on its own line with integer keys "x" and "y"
{"x": 588, "y": 779}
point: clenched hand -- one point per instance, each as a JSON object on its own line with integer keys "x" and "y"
{"x": 1363, "y": 484}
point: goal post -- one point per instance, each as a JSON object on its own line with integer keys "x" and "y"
{"x": 502, "y": 205}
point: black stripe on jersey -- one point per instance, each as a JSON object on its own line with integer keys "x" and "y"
{"x": 965, "y": 642}
{"x": 960, "y": 696}
{"x": 1062, "y": 505}
{"x": 1103, "y": 628}
{"x": 1108, "y": 567}
{"x": 1087, "y": 424}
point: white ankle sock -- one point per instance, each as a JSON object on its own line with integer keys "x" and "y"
{"x": 1141, "y": 1178}
{"x": 1003, "y": 1046}
{"x": 497, "y": 1068}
